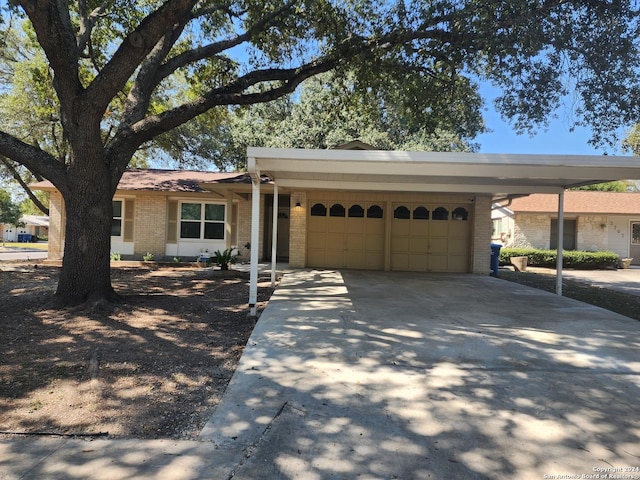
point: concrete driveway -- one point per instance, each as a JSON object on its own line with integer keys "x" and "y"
{"x": 386, "y": 375}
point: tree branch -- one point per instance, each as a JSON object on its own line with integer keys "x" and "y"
{"x": 16, "y": 175}
{"x": 133, "y": 50}
{"x": 215, "y": 48}
{"x": 35, "y": 159}
{"x": 57, "y": 38}
{"x": 87, "y": 22}
{"x": 129, "y": 137}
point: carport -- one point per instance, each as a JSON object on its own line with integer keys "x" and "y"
{"x": 501, "y": 176}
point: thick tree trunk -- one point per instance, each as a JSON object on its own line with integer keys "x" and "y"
{"x": 86, "y": 274}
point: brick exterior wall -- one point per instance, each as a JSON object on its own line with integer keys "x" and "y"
{"x": 481, "y": 255}
{"x": 150, "y": 225}
{"x": 244, "y": 227}
{"x": 298, "y": 230}
{"x": 56, "y": 226}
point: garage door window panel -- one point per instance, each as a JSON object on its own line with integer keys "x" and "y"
{"x": 375, "y": 211}
{"x": 460, "y": 214}
{"x": 356, "y": 211}
{"x": 441, "y": 213}
{"x": 421, "y": 213}
{"x": 402, "y": 213}
{"x": 337, "y": 210}
{"x": 318, "y": 210}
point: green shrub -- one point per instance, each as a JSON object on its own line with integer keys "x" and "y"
{"x": 148, "y": 257}
{"x": 577, "y": 259}
{"x": 115, "y": 256}
{"x": 225, "y": 258}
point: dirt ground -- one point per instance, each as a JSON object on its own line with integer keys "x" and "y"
{"x": 154, "y": 366}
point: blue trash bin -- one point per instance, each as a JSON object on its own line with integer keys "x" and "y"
{"x": 495, "y": 258}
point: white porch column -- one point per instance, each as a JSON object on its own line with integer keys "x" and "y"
{"x": 560, "y": 243}
{"x": 255, "y": 241}
{"x": 274, "y": 238}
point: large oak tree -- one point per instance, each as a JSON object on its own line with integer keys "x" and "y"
{"x": 126, "y": 72}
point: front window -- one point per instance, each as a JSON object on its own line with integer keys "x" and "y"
{"x": 116, "y": 220}
{"x": 202, "y": 221}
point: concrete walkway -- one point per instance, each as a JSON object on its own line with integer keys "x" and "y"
{"x": 375, "y": 375}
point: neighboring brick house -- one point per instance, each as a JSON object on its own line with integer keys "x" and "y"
{"x": 593, "y": 221}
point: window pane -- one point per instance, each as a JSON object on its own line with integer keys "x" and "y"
{"x": 460, "y": 214}
{"x": 214, "y": 212}
{"x": 337, "y": 210}
{"x": 635, "y": 233}
{"x": 440, "y": 213}
{"x": 401, "y": 213}
{"x": 356, "y": 211}
{"x": 117, "y": 208}
{"x": 569, "y": 237}
{"x": 190, "y": 229}
{"x": 374, "y": 211}
{"x": 190, "y": 211}
{"x": 318, "y": 210}
{"x": 116, "y": 227}
{"x": 214, "y": 231}
{"x": 421, "y": 213}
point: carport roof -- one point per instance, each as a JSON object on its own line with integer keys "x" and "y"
{"x": 496, "y": 174}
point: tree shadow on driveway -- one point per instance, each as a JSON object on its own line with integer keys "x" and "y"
{"x": 386, "y": 375}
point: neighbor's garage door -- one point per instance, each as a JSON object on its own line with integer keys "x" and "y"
{"x": 345, "y": 235}
{"x": 430, "y": 237}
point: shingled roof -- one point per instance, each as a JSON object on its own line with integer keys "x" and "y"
{"x": 583, "y": 202}
{"x": 149, "y": 179}
{"x": 174, "y": 180}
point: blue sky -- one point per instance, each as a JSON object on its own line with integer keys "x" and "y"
{"x": 556, "y": 139}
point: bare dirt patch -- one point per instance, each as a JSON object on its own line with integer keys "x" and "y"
{"x": 154, "y": 366}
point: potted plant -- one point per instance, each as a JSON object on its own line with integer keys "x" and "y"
{"x": 625, "y": 262}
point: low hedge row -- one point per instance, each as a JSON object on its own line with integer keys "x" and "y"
{"x": 570, "y": 258}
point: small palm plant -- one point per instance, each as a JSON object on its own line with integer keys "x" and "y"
{"x": 225, "y": 258}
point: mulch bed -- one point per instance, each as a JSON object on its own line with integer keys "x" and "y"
{"x": 153, "y": 366}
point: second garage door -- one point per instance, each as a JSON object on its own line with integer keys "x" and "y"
{"x": 430, "y": 237}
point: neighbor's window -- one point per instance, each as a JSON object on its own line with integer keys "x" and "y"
{"x": 635, "y": 233}
{"x": 116, "y": 221}
{"x": 569, "y": 234}
{"x": 204, "y": 221}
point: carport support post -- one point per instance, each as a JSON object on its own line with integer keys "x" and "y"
{"x": 255, "y": 241}
{"x": 274, "y": 238}
{"x": 560, "y": 243}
